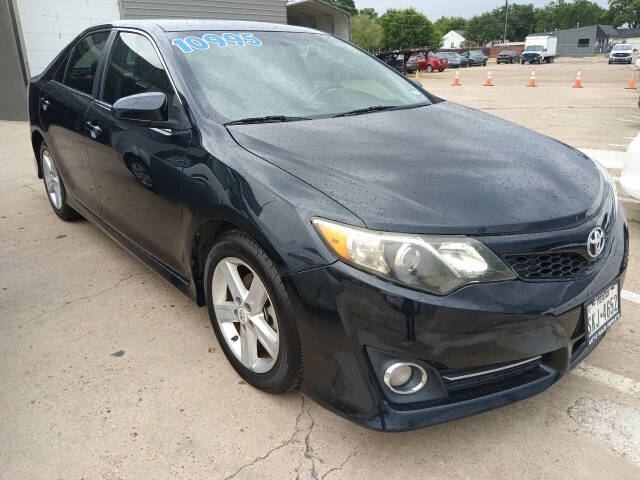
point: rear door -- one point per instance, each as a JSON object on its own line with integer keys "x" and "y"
{"x": 138, "y": 170}
{"x": 64, "y": 102}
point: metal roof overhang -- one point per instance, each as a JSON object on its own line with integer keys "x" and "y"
{"x": 315, "y": 7}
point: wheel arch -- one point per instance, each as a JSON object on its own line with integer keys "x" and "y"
{"x": 37, "y": 139}
{"x": 204, "y": 238}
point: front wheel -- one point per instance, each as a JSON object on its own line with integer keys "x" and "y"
{"x": 252, "y": 314}
{"x": 53, "y": 184}
{"x": 441, "y": 70}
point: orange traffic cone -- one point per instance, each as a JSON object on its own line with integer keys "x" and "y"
{"x": 632, "y": 82}
{"x": 417, "y": 73}
{"x": 456, "y": 81}
{"x": 488, "y": 82}
{"x": 532, "y": 80}
{"x": 578, "y": 83}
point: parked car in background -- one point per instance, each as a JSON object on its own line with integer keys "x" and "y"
{"x": 429, "y": 62}
{"x": 396, "y": 61}
{"x": 476, "y": 57}
{"x": 455, "y": 59}
{"x": 621, "y": 53}
{"x": 417, "y": 61}
{"x": 508, "y": 56}
{"x": 630, "y": 177}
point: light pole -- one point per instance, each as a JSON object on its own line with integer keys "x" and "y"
{"x": 506, "y": 18}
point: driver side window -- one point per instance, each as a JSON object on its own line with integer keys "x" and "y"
{"x": 134, "y": 67}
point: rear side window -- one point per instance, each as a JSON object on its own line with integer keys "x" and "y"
{"x": 83, "y": 64}
{"x": 134, "y": 67}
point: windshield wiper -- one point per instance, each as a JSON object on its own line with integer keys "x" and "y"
{"x": 266, "y": 119}
{"x": 360, "y": 111}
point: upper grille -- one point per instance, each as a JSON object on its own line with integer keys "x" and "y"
{"x": 549, "y": 266}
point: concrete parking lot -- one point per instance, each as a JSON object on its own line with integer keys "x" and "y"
{"x": 109, "y": 373}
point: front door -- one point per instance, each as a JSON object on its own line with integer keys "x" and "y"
{"x": 138, "y": 170}
{"x": 64, "y": 102}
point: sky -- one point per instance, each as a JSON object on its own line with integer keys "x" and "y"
{"x": 435, "y": 9}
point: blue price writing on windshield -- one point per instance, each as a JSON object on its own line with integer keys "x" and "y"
{"x": 192, "y": 44}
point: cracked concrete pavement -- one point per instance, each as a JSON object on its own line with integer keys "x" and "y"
{"x": 110, "y": 373}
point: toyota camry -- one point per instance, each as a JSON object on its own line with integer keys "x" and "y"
{"x": 312, "y": 199}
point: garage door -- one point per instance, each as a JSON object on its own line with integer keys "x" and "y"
{"x": 49, "y": 25}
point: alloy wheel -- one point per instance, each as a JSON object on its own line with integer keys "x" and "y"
{"x": 245, "y": 314}
{"x": 51, "y": 179}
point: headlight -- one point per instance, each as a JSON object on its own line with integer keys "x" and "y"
{"x": 436, "y": 264}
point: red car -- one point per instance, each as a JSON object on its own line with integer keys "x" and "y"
{"x": 431, "y": 62}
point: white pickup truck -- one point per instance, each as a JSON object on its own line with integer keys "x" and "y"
{"x": 539, "y": 48}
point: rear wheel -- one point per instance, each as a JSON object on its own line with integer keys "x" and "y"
{"x": 252, "y": 314}
{"x": 53, "y": 184}
{"x": 429, "y": 69}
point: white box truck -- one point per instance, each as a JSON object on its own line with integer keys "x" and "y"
{"x": 539, "y": 48}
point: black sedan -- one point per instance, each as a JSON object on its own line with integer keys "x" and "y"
{"x": 342, "y": 243}
{"x": 508, "y": 56}
{"x": 476, "y": 58}
{"x": 455, "y": 59}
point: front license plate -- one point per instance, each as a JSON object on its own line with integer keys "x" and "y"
{"x": 603, "y": 312}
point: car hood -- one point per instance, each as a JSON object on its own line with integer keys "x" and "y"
{"x": 441, "y": 168}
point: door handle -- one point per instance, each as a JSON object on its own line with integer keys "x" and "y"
{"x": 45, "y": 103}
{"x": 94, "y": 130}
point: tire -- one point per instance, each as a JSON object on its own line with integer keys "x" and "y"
{"x": 441, "y": 70}
{"x": 429, "y": 69}
{"x": 484, "y": 64}
{"x": 54, "y": 185}
{"x": 284, "y": 370}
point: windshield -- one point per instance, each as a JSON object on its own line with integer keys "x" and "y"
{"x": 534, "y": 48}
{"x": 243, "y": 75}
{"x": 623, "y": 47}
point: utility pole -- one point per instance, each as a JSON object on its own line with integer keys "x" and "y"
{"x": 506, "y": 19}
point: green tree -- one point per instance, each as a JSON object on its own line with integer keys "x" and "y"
{"x": 406, "y": 29}
{"x": 347, "y": 5}
{"x": 625, "y": 12}
{"x": 521, "y": 21}
{"x": 371, "y": 12}
{"x": 559, "y": 14}
{"x": 365, "y": 32}
{"x": 484, "y": 28}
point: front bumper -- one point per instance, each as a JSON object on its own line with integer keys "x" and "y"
{"x": 620, "y": 59}
{"x": 532, "y": 58}
{"x": 351, "y": 322}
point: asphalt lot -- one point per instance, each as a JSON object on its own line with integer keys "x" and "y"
{"x": 108, "y": 372}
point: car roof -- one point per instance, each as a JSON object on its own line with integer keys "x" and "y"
{"x": 176, "y": 25}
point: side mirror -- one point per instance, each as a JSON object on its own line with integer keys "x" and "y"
{"x": 144, "y": 109}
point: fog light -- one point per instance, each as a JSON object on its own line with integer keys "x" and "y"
{"x": 405, "y": 378}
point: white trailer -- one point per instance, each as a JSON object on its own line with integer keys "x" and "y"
{"x": 540, "y": 48}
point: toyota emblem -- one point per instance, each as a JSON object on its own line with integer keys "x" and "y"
{"x": 595, "y": 242}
